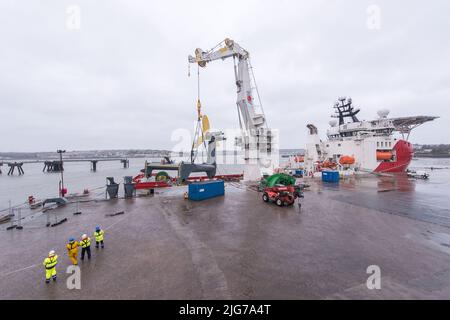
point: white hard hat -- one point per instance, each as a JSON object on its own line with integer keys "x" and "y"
{"x": 51, "y": 253}
{"x": 84, "y": 236}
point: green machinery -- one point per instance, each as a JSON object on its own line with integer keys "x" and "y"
{"x": 278, "y": 178}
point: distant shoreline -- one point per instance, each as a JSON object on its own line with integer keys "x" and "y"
{"x": 437, "y": 156}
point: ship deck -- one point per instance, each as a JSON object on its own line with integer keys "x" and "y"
{"x": 238, "y": 247}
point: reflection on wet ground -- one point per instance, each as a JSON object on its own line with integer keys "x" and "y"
{"x": 398, "y": 194}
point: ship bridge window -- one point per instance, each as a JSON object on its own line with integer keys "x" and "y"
{"x": 378, "y": 143}
{"x": 339, "y": 144}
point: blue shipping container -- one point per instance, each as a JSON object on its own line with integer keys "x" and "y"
{"x": 330, "y": 176}
{"x": 205, "y": 190}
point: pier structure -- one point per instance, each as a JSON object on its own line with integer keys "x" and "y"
{"x": 94, "y": 165}
{"x": 13, "y": 165}
{"x": 58, "y": 165}
{"x": 53, "y": 166}
{"x": 125, "y": 162}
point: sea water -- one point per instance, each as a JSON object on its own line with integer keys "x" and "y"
{"x": 431, "y": 195}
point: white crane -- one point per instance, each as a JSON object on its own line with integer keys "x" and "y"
{"x": 256, "y": 136}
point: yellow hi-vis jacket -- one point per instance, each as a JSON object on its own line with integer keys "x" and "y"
{"x": 99, "y": 235}
{"x": 85, "y": 243}
{"x": 50, "y": 262}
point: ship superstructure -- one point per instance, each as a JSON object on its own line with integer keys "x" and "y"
{"x": 370, "y": 146}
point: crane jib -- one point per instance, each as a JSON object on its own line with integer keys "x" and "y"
{"x": 250, "y": 113}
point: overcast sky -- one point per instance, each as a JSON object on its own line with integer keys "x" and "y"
{"x": 120, "y": 80}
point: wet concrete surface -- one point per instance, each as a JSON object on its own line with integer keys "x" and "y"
{"x": 237, "y": 246}
{"x": 396, "y": 195}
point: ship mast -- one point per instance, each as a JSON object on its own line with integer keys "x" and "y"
{"x": 344, "y": 109}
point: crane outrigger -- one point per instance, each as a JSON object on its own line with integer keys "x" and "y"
{"x": 256, "y": 137}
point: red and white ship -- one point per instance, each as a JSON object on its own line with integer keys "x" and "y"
{"x": 368, "y": 146}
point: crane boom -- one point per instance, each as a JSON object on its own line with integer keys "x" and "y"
{"x": 252, "y": 115}
{"x": 256, "y": 136}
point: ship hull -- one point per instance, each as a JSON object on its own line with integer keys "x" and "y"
{"x": 404, "y": 153}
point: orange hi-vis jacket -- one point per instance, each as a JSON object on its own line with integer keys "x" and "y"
{"x": 72, "y": 247}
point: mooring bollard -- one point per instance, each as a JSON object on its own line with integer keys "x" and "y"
{"x": 112, "y": 188}
{"x": 128, "y": 186}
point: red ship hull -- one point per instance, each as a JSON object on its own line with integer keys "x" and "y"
{"x": 404, "y": 153}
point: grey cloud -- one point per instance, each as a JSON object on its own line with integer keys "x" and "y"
{"x": 121, "y": 81}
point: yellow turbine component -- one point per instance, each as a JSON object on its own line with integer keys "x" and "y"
{"x": 205, "y": 124}
{"x": 199, "y": 142}
{"x": 205, "y": 129}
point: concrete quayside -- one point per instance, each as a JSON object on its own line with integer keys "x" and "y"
{"x": 238, "y": 247}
